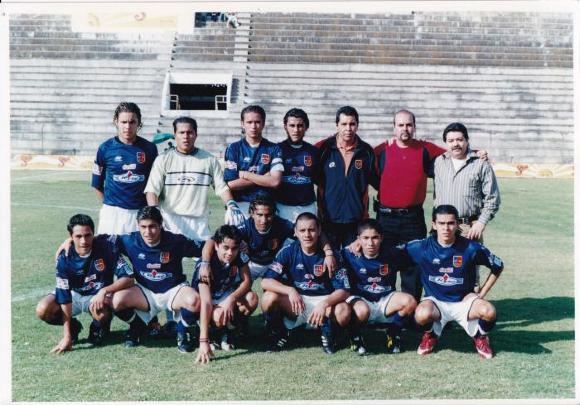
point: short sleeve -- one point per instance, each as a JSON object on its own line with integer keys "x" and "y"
{"x": 99, "y": 170}
{"x": 62, "y": 290}
{"x": 231, "y": 168}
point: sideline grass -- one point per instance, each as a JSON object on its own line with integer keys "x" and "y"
{"x": 534, "y": 337}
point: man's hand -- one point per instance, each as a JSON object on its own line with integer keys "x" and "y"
{"x": 296, "y": 302}
{"x": 100, "y": 301}
{"x": 64, "y": 246}
{"x": 227, "y": 307}
{"x": 476, "y": 230}
{"x": 330, "y": 264}
{"x": 355, "y": 247}
{"x": 482, "y": 154}
{"x": 318, "y": 314}
{"x": 244, "y": 248}
{"x": 205, "y": 275}
{"x": 65, "y": 345}
{"x": 204, "y": 354}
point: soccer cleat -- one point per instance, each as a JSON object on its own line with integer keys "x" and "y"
{"x": 227, "y": 342}
{"x": 276, "y": 342}
{"x": 327, "y": 338}
{"x": 482, "y": 346}
{"x": 75, "y": 329}
{"x": 393, "y": 343}
{"x": 136, "y": 329}
{"x": 168, "y": 330}
{"x": 96, "y": 333}
{"x": 357, "y": 345}
{"x": 427, "y": 343}
{"x": 154, "y": 327}
{"x": 184, "y": 339}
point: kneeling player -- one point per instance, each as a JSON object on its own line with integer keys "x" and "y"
{"x": 229, "y": 293}
{"x": 84, "y": 283}
{"x": 297, "y": 287}
{"x": 447, "y": 263}
{"x": 156, "y": 255}
{"x": 373, "y": 297}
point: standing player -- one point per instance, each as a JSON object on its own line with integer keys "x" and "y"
{"x": 253, "y": 165}
{"x": 301, "y": 160}
{"x": 157, "y": 257}
{"x": 180, "y": 180}
{"x": 84, "y": 283}
{"x": 447, "y": 265}
{"x": 347, "y": 167}
{"x": 296, "y": 287}
{"x": 229, "y": 294}
{"x": 374, "y": 299}
{"x": 121, "y": 170}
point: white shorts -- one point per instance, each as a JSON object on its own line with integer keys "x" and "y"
{"x": 257, "y": 270}
{"x": 117, "y": 220}
{"x": 377, "y": 309}
{"x": 291, "y": 212}
{"x": 159, "y": 302}
{"x": 196, "y": 228}
{"x": 454, "y": 311}
{"x": 309, "y": 304}
{"x": 80, "y": 303}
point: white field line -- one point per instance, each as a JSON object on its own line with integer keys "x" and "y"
{"x": 64, "y": 207}
{"x": 54, "y": 174}
{"x": 36, "y": 293}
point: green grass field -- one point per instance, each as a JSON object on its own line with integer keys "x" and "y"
{"x": 533, "y": 340}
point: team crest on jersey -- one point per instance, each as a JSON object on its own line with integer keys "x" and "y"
{"x": 307, "y": 160}
{"x": 273, "y": 244}
{"x": 265, "y": 158}
{"x": 231, "y": 165}
{"x": 233, "y": 271}
{"x": 358, "y": 164}
{"x": 100, "y": 264}
{"x": 384, "y": 269}
{"x": 318, "y": 270}
{"x": 457, "y": 261}
{"x": 165, "y": 257}
{"x": 141, "y": 157}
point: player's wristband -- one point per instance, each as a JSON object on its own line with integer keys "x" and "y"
{"x": 203, "y": 340}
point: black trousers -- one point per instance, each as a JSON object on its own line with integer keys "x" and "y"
{"x": 340, "y": 235}
{"x": 401, "y": 228}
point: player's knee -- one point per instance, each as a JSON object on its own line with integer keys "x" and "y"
{"x": 342, "y": 313}
{"x": 487, "y": 312}
{"x": 42, "y": 310}
{"x": 362, "y": 312}
{"x": 252, "y": 299}
{"x": 408, "y": 305}
{"x": 423, "y": 314}
{"x": 269, "y": 300}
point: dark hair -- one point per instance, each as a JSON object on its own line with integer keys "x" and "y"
{"x": 348, "y": 111}
{"x": 227, "y": 231}
{"x": 455, "y": 127}
{"x": 149, "y": 212}
{"x": 262, "y": 200}
{"x": 404, "y": 111}
{"x": 255, "y": 109}
{"x": 305, "y": 216}
{"x": 129, "y": 108}
{"x": 369, "y": 223}
{"x": 444, "y": 209}
{"x": 184, "y": 120}
{"x": 297, "y": 113}
{"x": 80, "y": 219}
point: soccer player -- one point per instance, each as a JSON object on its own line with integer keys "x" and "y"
{"x": 374, "y": 299}
{"x": 447, "y": 269}
{"x": 296, "y": 287}
{"x": 180, "y": 180}
{"x": 253, "y": 165}
{"x": 84, "y": 283}
{"x": 156, "y": 255}
{"x": 229, "y": 293}
{"x": 301, "y": 161}
{"x": 347, "y": 167}
{"x": 121, "y": 170}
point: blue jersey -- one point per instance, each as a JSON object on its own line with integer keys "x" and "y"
{"x": 374, "y": 278}
{"x": 87, "y": 275}
{"x": 225, "y": 277}
{"x": 448, "y": 273}
{"x": 159, "y": 268}
{"x": 300, "y": 169}
{"x": 306, "y": 272}
{"x": 240, "y": 156}
{"x": 121, "y": 171}
{"x": 262, "y": 247}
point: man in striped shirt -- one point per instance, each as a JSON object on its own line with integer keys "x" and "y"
{"x": 466, "y": 182}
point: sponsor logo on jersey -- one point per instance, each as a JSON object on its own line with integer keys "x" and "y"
{"x": 141, "y": 157}
{"x": 265, "y": 159}
{"x": 132, "y": 166}
{"x": 446, "y": 270}
{"x": 273, "y": 244}
{"x": 495, "y": 260}
{"x": 253, "y": 169}
{"x": 97, "y": 170}
{"x": 296, "y": 179}
{"x": 247, "y": 159}
{"x": 436, "y": 261}
{"x": 155, "y": 275}
{"x": 155, "y": 266}
{"x": 331, "y": 165}
{"x": 362, "y": 270}
{"x": 128, "y": 177}
{"x": 384, "y": 269}
{"x": 164, "y": 257}
{"x": 318, "y": 270}
{"x": 375, "y": 288}
{"x": 231, "y": 165}
{"x": 141, "y": 256}
{"x": 297, "y": 169}
{"x": 309, "y": 285}
{"x": 457, "y": 261}
{"x": 62, "y": 283}
{"x": 299, "y": 266}
{"x": 358, "y": 163}
{"x": 308, "y": 276}
{"x": 118, "y": 158}
{"x": 445, "y": 280}
{"x": 233, "y": 271}
{"x": 308, "y": 160}
{"x": 374, "y": 279}
{"x": 100, "y": 264}
{"x": 277, "y": 267}
{"x": 91, "y": 278}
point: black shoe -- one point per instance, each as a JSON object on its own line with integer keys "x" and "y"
{"x": 393, "y": 343}
{"x": 75, "y": 329}
{"x": 242, "y": 330}
{"x": 357, "y": 345}
{"x": 227, "y": 341}
{"x": 96, "y": 333}
{"x": 154, "y": 327}
{"x": 184, "y": 341}
{"x": 169, "y": 330}
{"x": 327, "y": 338}
{"x": 277, "y": 341}
{"x": 137, "y": 329}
